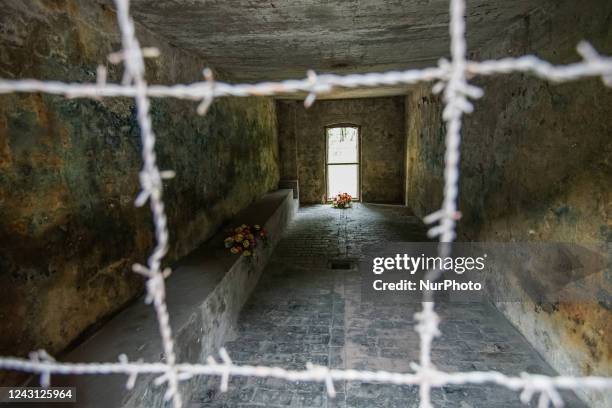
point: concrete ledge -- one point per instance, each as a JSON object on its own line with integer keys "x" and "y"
{"x": 204, "y": 295}
{"x": 292, "y": 184}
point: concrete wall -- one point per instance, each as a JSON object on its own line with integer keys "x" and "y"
{"x": 535, "y": 167}
{"x": 69, "y": 231}
{"x": 302, "y": 145}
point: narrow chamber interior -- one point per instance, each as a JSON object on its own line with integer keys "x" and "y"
{"x": 534, "y": 168}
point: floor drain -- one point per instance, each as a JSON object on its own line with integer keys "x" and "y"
{"x": 340, "y": 264}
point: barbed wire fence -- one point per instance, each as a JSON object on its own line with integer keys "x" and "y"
{"x": 451, "y": 77}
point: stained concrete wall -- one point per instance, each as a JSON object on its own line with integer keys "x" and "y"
{"x": 69, "y": 231}
{"x": 535, "y": 167}
{"x": 302, "y": 145}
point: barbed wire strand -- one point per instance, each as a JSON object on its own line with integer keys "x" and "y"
{"x": 456, "y": 91}
{"x": 452, "y": 80}
{"x": 311, "y": 373}
{"x": 151, "y": 182}
{"x": 325, "y": 83}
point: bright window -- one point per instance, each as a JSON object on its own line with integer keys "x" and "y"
{"x": 342, "y": 161}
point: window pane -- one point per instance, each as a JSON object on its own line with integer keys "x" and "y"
{"x": 342, "y": 145}
{"x": 342, "y": 178}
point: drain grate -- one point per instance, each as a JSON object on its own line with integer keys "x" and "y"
{"x": 341, "y": 264}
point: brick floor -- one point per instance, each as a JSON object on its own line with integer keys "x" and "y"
{"x": 304, "y": 311}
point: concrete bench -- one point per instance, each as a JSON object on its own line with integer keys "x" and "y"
{"x": 204, "y": 295}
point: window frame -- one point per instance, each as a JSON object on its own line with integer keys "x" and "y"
{"x": 358, "y": 163}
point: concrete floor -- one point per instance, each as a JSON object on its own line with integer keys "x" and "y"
{"x": 303, "y": 311}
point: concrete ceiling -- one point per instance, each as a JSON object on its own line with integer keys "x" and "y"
{"x": 258, "y": 40}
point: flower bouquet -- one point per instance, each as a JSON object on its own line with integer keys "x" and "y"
{"x": 244, "y": 239}
{"x": 342, "y": 200}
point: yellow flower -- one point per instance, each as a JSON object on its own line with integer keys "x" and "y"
{"x": 256, "y": 226}
{"x": 250, "y": 237}
{"x": 238, "y": 237}
{"x": 246, "y": 244}
{"x": 234, "y": 250}
{"x": 247, "y": 253}
{"x": 237, "y": 229}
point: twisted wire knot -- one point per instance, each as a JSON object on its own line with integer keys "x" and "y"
{"x": 325, "y": 374}
{"x": 591, "y": 56}
{"x": 428, "y": 322}
{"x": 209, "y": 95}
{"x": 41, "y": 356}
{"x": 534, "y": 384}
{"x": 151, "y": 183}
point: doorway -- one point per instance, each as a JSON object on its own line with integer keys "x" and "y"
{"x": 342, "y": 160}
